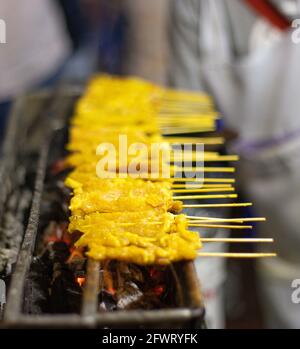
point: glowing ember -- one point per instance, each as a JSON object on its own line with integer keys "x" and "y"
{"x": 155, "y": 273}
{"x": 75, "y": 254}
{"x": 158, "y": 290}
{"x": 57, "y": 232}
{"x": 111, "y": 291}
{"x": 80, "y": 280}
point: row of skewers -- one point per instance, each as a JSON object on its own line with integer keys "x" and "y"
{"x": 138, "y": 218}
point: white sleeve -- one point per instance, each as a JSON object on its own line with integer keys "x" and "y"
{"x": 185, "y": 59}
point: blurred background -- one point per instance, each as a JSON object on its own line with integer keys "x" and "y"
{"x": 246, "y": 54}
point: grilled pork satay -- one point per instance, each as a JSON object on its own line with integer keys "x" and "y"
{"x": 114, "y": 123}
{"x": 81, "y": 182}
{"x": 118, "y": 200}
{"x": 95, "y": 136}
{"x": 116, "y": 195}
{"x": 90, "y": 145}
{"x": 108, "y": 235}
{"x": 124, "y": 219}
{"x": 148, "y": 223}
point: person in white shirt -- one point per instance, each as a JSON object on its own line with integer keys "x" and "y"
{"x": 243, "y": 53}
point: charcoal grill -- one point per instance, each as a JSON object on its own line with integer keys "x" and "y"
{"x": 39, "y": 117}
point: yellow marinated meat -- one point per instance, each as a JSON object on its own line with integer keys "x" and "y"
{"x": 116, "y": 201}
{"x": 167, "y": 249}
{"x": 95, "y": 136}
{"x": 127, "y": 219}
{"x": 112, "y": 233}
{"x": 132, "y": 168}
{"x": 148, "y": 223}
{"x": 87, "y": 182}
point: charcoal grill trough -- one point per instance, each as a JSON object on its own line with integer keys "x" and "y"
{"x": 42, "y": 118}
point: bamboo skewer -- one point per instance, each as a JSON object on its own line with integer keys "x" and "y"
{"x": 185, "y": 130}
{"x": 189, "y": 113}
{"x": 206, "y": 153}
{"x": 205, "y": 190}
{"x": 239, "y": 220}
{"x": 238, "y": 240}
{"x": 192, "y": 197}
{"x": 206, "y": 221}
{"x": 205, "y": 159}
{"x": 201, "y": 186}
{"x": 196, "y": 111}
{"x": 189, "y": 120}
{"x": 215, "y": 221}
{"x": 223, "y": 226}
{"x": 187, "y": 109}
{"x": 184, "y": 102}
{"x": 199, "y": 117}
{"x": 168, "y": 117}
{"x": 190, "y": 223}
{"x": 206, "y": 140}
{"x": 239, "y": 204}
{"x": 204, "y": 169}
{"x": 209, "y": 124}
{"x": 204, "y": 180}
{"x": 193, "y": 109}
{"x": 236, "y": 255}
{"x": 174, "y": 131}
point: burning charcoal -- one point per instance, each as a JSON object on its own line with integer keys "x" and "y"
{"x": 149, "y": 302}
{"x": 128, "y": 296}
{"x": 51, "y": 286}
{"x": 54, "y": 232}
{"x": 129, "y": 272}
{"x": 55, "y": 202}
{"x": 136, "y": 273}
{"x": 80, "y": 279}
{"x": 106, "y": 302}
{"x": 66, "y": 294}
{"x": 77, "y": 263}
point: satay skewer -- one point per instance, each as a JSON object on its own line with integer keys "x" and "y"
{"x": 204, "y": 169}
{"x": 194, "y": 197}
{"x": 201, "y": 186}
{"x": 196, "y": 157}
{"x": 203, "y": 180}
{"x": 235, "y": 204}
{"x": 240, "y": 220}
{"x": 236, "y": 255}
{"x": 205, "y": 140}
{"x": 205, "y": 190}
{"x": 238, "y": 240}
{"x": 223, "y": 226}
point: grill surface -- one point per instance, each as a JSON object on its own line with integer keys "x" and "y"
{"x": 42, "y": 115}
